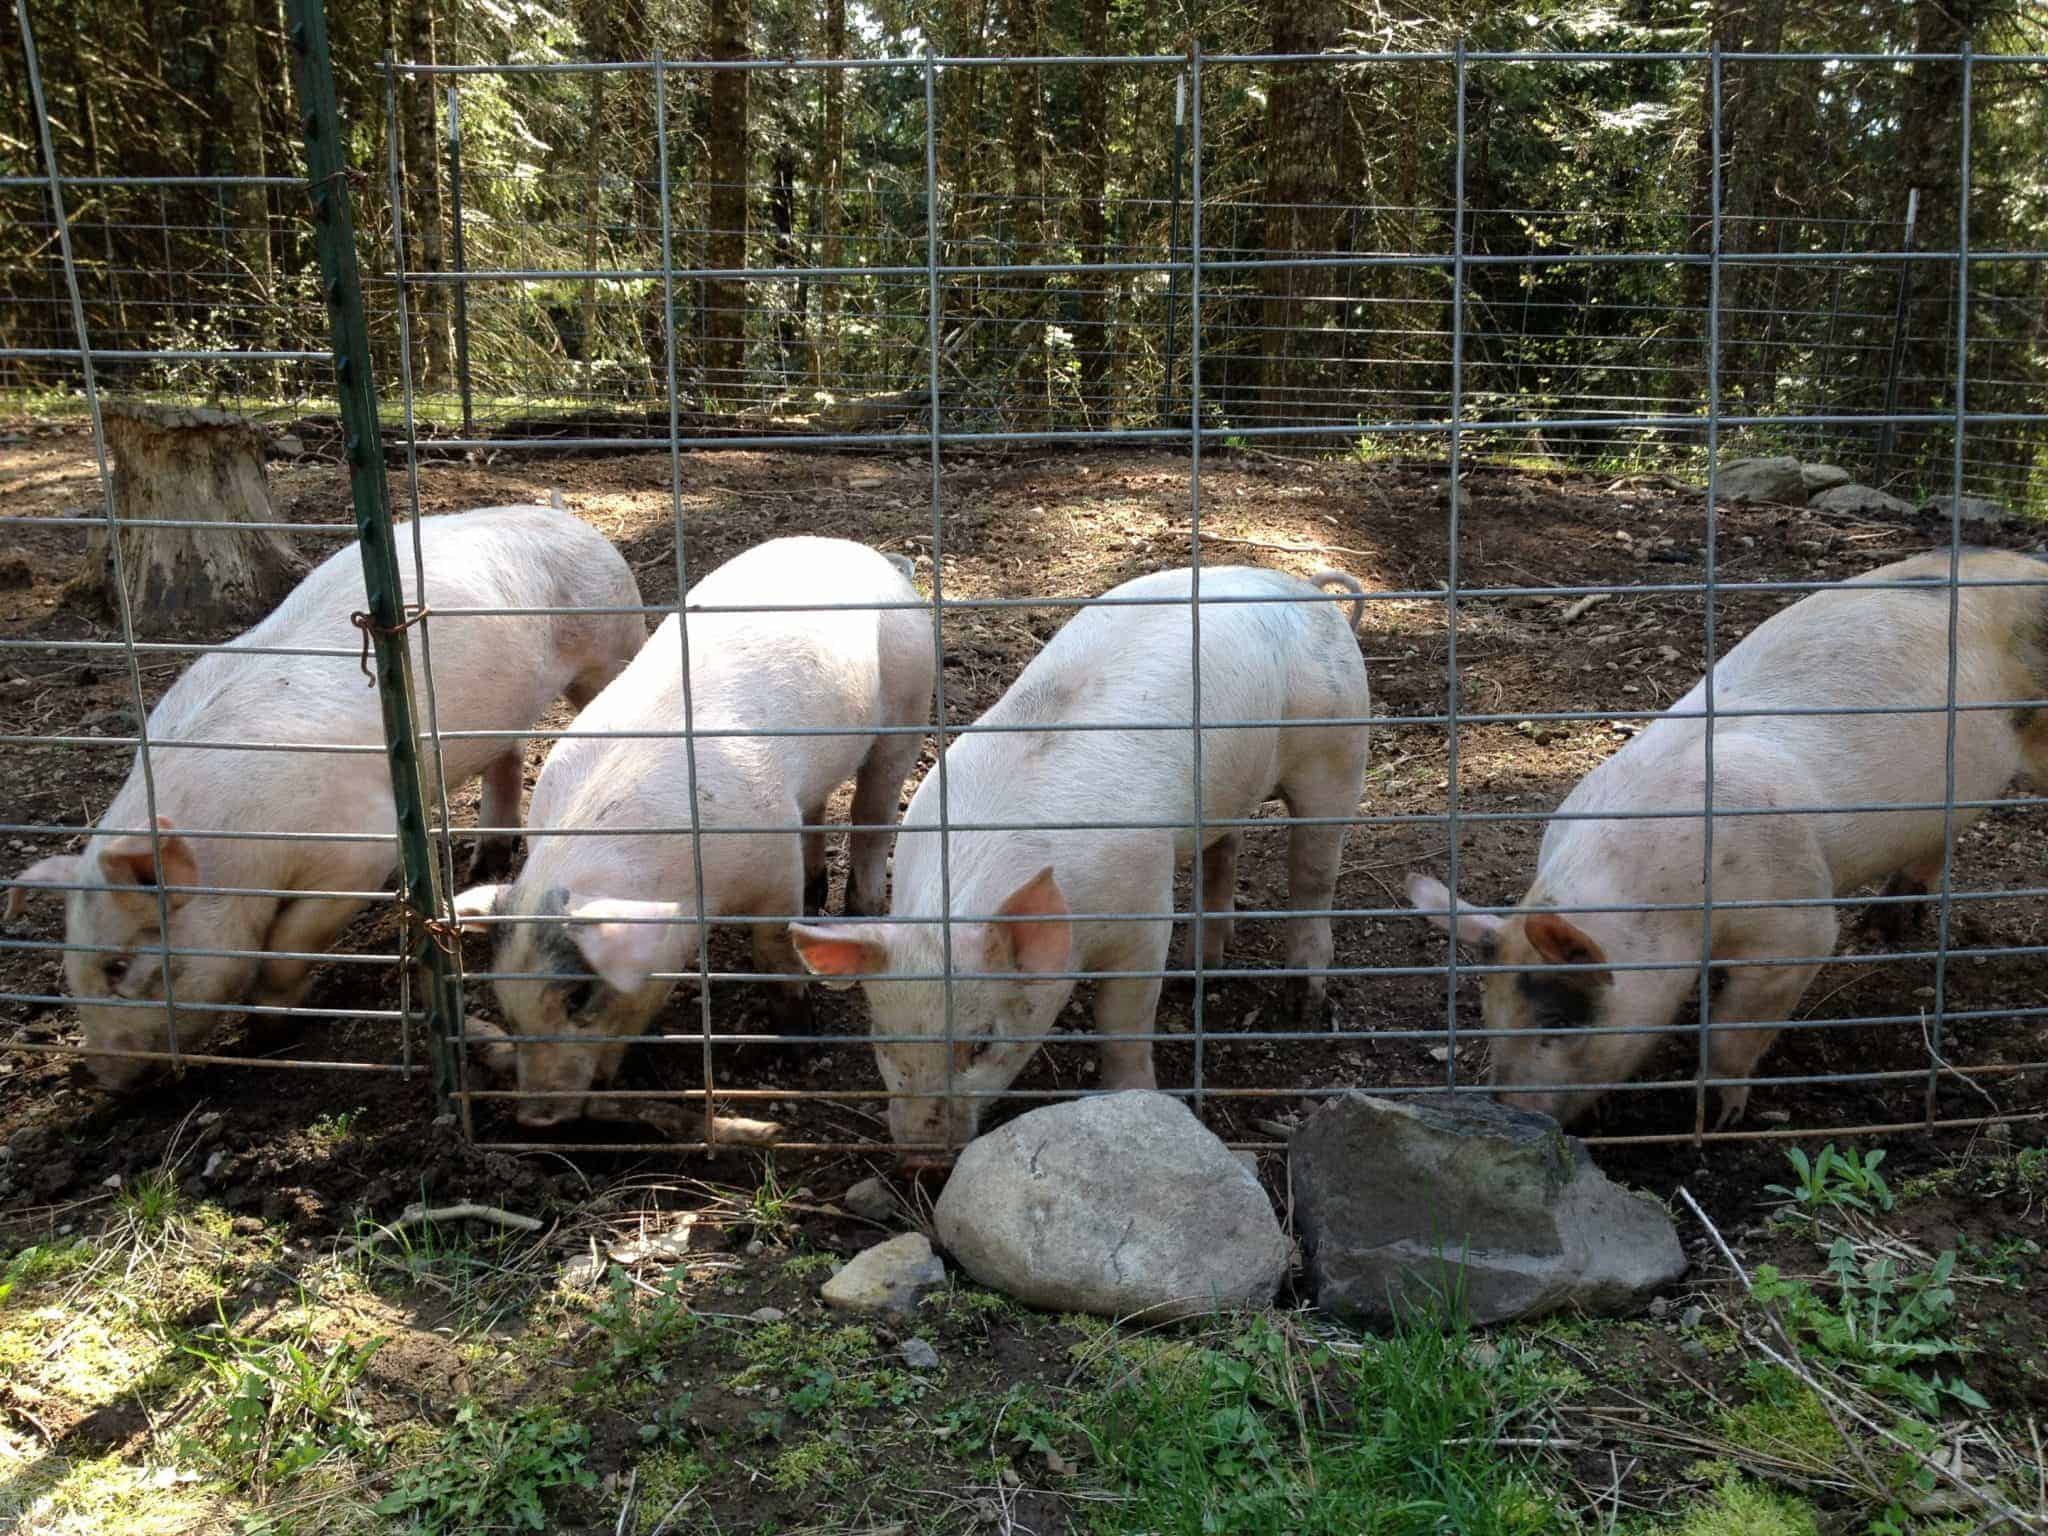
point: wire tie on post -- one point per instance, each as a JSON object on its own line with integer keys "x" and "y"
{"x": 368, "y": 624}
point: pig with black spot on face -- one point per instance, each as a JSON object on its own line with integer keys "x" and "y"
{"x": 600, "y": 922}
{"x": 490, "y": 674}
{"x": 1881, "y": 640}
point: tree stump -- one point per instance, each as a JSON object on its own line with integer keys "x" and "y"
{"x": 185, "y": 464}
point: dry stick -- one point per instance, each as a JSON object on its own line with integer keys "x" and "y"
{"x": 1942, "y": 1062}
{"x": 1830, "y": 1402}
{"x": 413, "y": 1215}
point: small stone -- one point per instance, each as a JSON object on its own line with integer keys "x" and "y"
{"x": 290, "y": 447}
{"x": 890, "y": 1277}
{"x": 918, "y": 1355}
{"x": 1691, "y": 1317}
{"x": 213, "y": 1162}
{"x": 1968, "y": 509}
{"x": 1661, "y": 1307}
{"x": 2000, "y": 1131}
{"x": 1860, "y": 501}
{"x": 1776, "y": 480}
{"x": 872, "y": 1200}
{"x": 767, "y": 1315}
{"x": 111, "y": 1181}
{"x": 1822, "y": 477}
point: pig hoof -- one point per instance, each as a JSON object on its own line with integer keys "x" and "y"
{"x": 1306, "y": 1003}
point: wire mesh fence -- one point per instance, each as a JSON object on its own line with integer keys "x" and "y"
{"x": 1383, "y": 389}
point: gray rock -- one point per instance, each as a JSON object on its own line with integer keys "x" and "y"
{"x": 1120, "y": 1205}
{"x": 890, "y": 1277}
{"x": 1747, "y": 480}
{"x": 1402, "y": 1202}
{"x": 767, "y": 1315}
{"x": 1822, "y": 477}
{"x": 1860, "y": 501}
{"x": 1971, "y": 509}
{"x": 918, "y": 1355}
{"x": 872, "y": 1200}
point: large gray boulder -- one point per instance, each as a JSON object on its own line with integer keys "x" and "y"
{"x": 1400, "y": 1203}
{"x": 1121, "y": 1205}
{"x": 1751, "y": 480}
{"x": 1822, "y": 477}
{"x": 1860, "y": 501}
{"x": 1970, "y": 509}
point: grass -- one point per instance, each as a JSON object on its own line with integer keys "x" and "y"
{"x": 488, "y": 1472}
{"x": 1267, "y": 1430}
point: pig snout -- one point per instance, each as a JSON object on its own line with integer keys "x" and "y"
{"x": 931, "y": 1132}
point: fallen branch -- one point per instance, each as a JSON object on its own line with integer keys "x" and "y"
{"x": 413, "y": 1215}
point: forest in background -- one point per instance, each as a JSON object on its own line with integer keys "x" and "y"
{"x": 1079, "y": 175}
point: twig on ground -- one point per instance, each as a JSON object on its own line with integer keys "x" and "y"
{"x": 413, "y": 1215}
{"x": 1942, "y": 1062}
{"x": 1292, "y": 549}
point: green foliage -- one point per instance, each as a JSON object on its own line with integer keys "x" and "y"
{"x": 150, "y": 1199}
{"x": 290, "y": 1403}
{"x": 824, "y": 1371}
{"x": 1262, "y": 1432}
{"x": 1849, "y": 1180}
{"x": 485, "y": 1472}
{"x": 39, "y": 1263}
{"x": 1878, "y": 1325}
{"x": 640, "y": 1330}
{"x": 1739, "y": 1507}
{"x": 1783, "y": 1420}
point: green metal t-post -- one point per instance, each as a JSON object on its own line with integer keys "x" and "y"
{"x": 327, "y": 181}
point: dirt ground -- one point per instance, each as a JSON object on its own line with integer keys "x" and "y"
{"x": 1038, "y": 524}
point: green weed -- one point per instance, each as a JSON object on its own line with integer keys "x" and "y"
{"x": 485, "y": 1472}
{"x": 1848, "y": 1180}
{"x": 640, "y": 1329}
{"x": 1878, "y": 1324}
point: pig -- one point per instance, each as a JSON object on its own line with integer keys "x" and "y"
{"x": 488, "y": 674}
{"x": 594, "y": 917}
{"x": 1270, "y": 651}
{"x": 1857, "y": 643}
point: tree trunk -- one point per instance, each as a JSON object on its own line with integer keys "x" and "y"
{"x": 432, "y": 338}
{"x": 252, "y": 205}
{"x": 832, "y": 168}
{"x": 1027, "y": 224}
{"x": 185, "y": 464}
{"x": 725, "y": 299}
{"x": 1092, "y": 217}
{"x": 1304, "y": 141}
{"x": 1934, "y": 107}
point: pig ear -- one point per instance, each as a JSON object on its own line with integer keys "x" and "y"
{"x": 1032, "y": 947}
{"x": 480, "y": 901}
{"x": 133, "y": 861}
{"x": 1479, "y": 929}
{"x": 620, "y": 945}
{"x": 841, "y": 953}
{"x": 1562, "y": 942}
{"x": 58, "y": 869}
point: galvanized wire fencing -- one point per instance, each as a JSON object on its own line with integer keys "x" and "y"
{"x": 962, "y": 327}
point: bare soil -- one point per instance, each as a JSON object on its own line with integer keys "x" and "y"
{"x": 1038, "y": 524}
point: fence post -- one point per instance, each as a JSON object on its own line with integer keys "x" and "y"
{"x": 327, "y": 181}
{"x": 461, "y": 267}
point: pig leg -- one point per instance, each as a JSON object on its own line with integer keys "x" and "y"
{"x": 1764, "y": 992}
{"x": 1313, "y": 855}
{"x": 789, "y": 1003}
{"x": 1219, "y": 897}
{"x": 306, "y": 925}
{"x": 817, "y": 883}
{"x": 877, "y": 795}
{"x": 1129, "y": 1006}
{"x": 504, "y": 783}
{"x": 1894, "y": 920}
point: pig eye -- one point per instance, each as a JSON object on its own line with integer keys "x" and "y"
{"x": 579, "y": 997}
{"x": 117, "y": 970}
